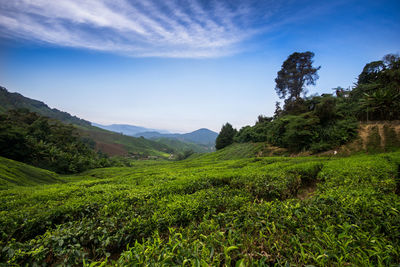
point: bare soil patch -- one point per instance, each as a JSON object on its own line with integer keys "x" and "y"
{"x": 307, "y": 191}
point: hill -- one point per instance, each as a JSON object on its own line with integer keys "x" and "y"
{"x": 108, "y": 142}
{"x": 201, "y": 136}
{"x": 16, "y": 173}
{"x": 181, "y": 146}
{"x": 10, "y": 101}
{"x": 243, "y": 150}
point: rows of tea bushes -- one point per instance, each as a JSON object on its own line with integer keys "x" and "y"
{"x": 17, "y": 173}
{"x": 210, "y": 212}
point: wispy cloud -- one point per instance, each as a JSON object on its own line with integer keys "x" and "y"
{"x": 153, "y": 28}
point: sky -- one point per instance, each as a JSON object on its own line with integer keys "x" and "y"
{"x": 183, "y": 65}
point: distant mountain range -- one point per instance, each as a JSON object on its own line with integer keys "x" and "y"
{"x": 131, "y": 130}
{"x": 204, "y": 137}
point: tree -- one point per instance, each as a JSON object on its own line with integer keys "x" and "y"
{"x": 278, "y": 110}
{"x": 225, "y": 137}
{"x": 378, "y": 90}
{"x": 296, "y": 72}
{"x": 371, "y": 71}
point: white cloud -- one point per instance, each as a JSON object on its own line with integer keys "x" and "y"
{"x": 153, "y": 28}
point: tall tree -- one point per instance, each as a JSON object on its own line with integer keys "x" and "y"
{"x": 225, "y": 137}
{"x": 296, "y": 73}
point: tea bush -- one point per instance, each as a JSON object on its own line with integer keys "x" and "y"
{"x": 207, "y": 211}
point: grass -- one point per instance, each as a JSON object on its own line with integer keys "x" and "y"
{"x": 210, "y": 211}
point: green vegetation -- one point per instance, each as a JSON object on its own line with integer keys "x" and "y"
{"x": 296, "y": 72}
{"x": 46, "y": 143}
{"x": 243, "y": 150}
{"x": 378, "y": 90}
{"x": 209, "y": 211}
{"x": 16, "y": 173}
{"x": 233, "y": 207}
{"x": 181, "y": 146}
{"x": 320, "y": 123}
{"x": 225, "y": 137}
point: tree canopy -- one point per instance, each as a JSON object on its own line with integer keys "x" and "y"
{"x": 225, "y": 137}
{"x": 296, "y": 73}
{"x": 377, "y": 92}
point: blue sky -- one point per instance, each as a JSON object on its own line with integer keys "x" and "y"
{"x": 183, "y": 65}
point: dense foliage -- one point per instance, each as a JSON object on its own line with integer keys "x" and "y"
{"x": 377, "y": 92}
{"x": 28, "y": 137}
{"x": 319, "y": 123}
{"x": 325, "y": 124}
{"x": 225, "y": 137}
{"x": 208, "y": 211}
{"x": 296, "y": 72}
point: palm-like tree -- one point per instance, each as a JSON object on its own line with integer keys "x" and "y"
{"x": 381, "y": 104}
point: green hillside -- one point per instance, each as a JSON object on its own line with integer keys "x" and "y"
{"x": 14, "y": 173}
{"x": 108, "y": 142}
{"x": 10, "y": 101}
{"x": 243, "y": 150}
{"x": 320, "y": 211}
{"x": 181, "y": 146}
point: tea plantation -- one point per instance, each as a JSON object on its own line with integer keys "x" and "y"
{"x": 206, "y": 211}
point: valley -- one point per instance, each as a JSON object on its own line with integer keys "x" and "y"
{"x": 199, "y": 133}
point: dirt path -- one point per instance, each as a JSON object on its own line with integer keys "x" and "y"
{"x": 306, "y": 192}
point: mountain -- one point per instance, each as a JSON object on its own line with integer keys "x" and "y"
{"x": 126, "y": 129}
{"x": 108, "y": 142}
{"x": 202, "y": 136}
